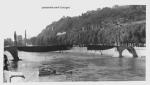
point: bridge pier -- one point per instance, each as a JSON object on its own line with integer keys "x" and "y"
{"x": 14, "y": 52}
{"x": 130, "y": 49}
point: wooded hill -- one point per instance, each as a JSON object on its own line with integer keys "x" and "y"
{"x": 119, "y": 24}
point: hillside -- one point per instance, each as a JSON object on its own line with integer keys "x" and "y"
{"x": 124, "y": 24}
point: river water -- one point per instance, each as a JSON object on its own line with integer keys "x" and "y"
{"x": 79, "y": 67}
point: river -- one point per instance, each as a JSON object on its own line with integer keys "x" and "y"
{"x": 82, "y": 67}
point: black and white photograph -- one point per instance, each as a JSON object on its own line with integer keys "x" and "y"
{"x": 73, "y": 41}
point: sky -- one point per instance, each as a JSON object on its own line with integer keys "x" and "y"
{"x": 21, "y": 15}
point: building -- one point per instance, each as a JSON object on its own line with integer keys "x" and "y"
{"x": 20, "y": 41}
{"x": 8, "y": 42}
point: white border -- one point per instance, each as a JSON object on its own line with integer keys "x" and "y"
{"x": 135, "y": 2}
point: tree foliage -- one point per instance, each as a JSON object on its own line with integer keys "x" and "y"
{"x": 124, "y": 24}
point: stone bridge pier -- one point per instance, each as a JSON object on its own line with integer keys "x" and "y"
{"x": 120, "y": 49}
{"x": 13, "y": 51}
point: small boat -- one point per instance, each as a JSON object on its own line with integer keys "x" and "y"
{"x": 46, "y": 70}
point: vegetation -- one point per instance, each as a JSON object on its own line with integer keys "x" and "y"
{"x": 116, "y": 25}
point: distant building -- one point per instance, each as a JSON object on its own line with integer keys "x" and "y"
{"x": 20, "y": 41}
{"x": 8, "y": 42}
{"x": 19, "y": 38}
{"x": 60, "y": 33}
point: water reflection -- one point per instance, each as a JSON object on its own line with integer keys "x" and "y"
{"x": 120, "y": 62}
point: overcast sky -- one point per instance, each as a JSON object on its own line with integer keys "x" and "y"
{"x": 18, "y": 15}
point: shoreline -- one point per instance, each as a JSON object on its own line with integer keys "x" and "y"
{"x": 141, "y": 52}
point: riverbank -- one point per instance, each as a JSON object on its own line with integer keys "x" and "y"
{"x": 141, "y": 51}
